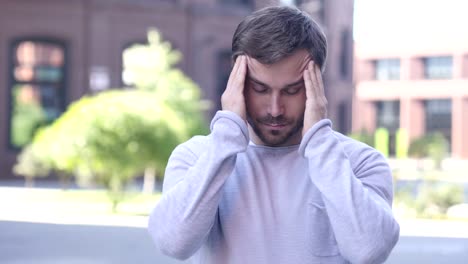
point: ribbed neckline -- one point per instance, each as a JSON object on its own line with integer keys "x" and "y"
{"x": 273, "y": 149}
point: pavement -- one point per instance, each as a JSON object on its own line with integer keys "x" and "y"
{"x": 35, "y": 235}
{"x": 41, "y": 243}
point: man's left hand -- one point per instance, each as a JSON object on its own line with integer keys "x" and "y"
{"x": 316, "y": 103}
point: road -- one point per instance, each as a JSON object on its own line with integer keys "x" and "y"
{"x": 38, "y": 243}
{"x": 430, "y": 250}
{"x": 42, "y": 243}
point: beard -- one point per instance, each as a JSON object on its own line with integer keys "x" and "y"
{"x": 275, "y": 138}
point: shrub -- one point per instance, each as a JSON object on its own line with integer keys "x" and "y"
{"x": 435, "y": 198}
{"x": 434, "y": 146}
{"x": 364, "y": 137}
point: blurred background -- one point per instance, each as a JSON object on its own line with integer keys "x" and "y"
{"x": 95, "y": 94}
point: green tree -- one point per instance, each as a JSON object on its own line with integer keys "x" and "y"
{"x": 151, "y": 67}
{"x": 116, "y": 135}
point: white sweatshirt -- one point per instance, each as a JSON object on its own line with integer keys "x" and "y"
{"x": 225, "y": 200}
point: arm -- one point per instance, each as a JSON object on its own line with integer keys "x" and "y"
{"x": 356, "y": 185}
{"x": 195, "y": 176}
{"x": 183, "y": 218}
{"x": 357, "y": 193}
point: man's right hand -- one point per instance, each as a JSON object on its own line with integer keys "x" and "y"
{"x": 233, "y": 97}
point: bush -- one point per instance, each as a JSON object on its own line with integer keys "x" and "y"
{"x": 364, "y": 137}
{"x": 434, "y": 146}
{"x": 435, "y": 198}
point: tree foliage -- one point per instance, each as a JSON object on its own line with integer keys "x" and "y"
{"x": 111, "y": 137}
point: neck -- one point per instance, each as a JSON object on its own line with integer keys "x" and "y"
{"x": 294, "y": 140}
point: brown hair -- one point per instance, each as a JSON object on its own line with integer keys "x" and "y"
{"x": 273, "y": 33}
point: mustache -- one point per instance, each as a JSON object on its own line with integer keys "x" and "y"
{"x": 271, "y": 120}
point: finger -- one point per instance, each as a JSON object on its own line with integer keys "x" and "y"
{"x": 234, "y": 71}
{"x": 241, "y": 72}
{"x": 318, "y": 77}
{"x": 308, "y": 81}
{"x": 313, "y": 78}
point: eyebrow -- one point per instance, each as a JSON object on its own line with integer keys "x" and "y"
{"x": 266, "y": 85}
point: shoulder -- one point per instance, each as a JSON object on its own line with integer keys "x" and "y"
{"x": 193, "y": 147}
{"x": 359, "y": 152}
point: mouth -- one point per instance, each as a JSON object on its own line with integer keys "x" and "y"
{"x": 274, "y": 126}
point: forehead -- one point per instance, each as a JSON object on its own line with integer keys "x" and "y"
{"x": 283, "y": 72}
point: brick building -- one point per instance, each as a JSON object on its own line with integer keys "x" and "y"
{"x": 419, "y": 84}
{"x": 52, "y": 52}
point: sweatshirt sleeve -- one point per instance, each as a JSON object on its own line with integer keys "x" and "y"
{"x": 356, "y": 187}
{"x": 195, "y": 175}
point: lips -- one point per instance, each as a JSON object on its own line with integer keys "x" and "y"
{"x": 275, "y": 125}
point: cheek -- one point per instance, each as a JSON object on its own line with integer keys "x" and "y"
{"x": 255, "y": 104}
{"x": 296, "y": 105}
{"x": 250, "y": 100}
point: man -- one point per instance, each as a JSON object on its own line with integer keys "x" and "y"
{"x": 272, "y": 182}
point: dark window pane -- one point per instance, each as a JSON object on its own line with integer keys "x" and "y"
{"x": 27, "y": 114}
{"x": 48, "y": 74}
{"x": 439, "y": 117}
{"x": 388, "y": 115}
{"x": 237, "y": 2}
{"x": 345, "y": 54}
{"x": 37, "y": 87}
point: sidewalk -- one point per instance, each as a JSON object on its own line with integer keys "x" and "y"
{"x": 18, "y": 210}
{"x": 433, "y": 228}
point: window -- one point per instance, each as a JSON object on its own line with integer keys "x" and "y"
{"x": 343, "y": 117}
{"x": 345, "y": 54}
{"x": 439, "y": 116}
{"x": 387, "y": 69}
{"x": 388, "y": 117}
{"x": 37, "y": 87}
{"x": 438, "y": 67}
{"x": 247, "y": 3}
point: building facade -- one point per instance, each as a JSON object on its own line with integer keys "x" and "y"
{"x": 52, "y": 52}
{"x": 420, "y": 86}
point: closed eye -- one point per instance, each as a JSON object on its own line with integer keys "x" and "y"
{"x": 259, "y": 88}
{"x": 293, "y": 90}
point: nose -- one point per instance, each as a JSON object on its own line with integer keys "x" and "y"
{"x": 276, "y": 106}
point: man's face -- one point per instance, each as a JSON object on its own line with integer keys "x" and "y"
{"x": 275, "y": 100}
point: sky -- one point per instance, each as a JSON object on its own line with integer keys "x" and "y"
{"x": 428, "y": 20}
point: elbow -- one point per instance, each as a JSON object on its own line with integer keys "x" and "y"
{"x": 167, "y": 243}
{"x": 377, "y": 249}
{"x": 176, "y": 252}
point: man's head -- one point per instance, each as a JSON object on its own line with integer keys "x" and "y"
{"x": 279, "y": 42}
{"x": 274, "y": 33}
